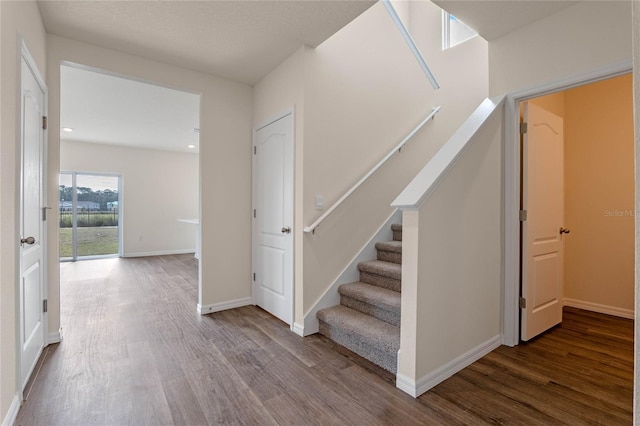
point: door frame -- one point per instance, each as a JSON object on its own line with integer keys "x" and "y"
{"x": 512, "y": 249}
{"x": 254, "y": 200}
{"x": 25, "y": 54}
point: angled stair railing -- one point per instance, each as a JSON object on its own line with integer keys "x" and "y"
{"x": 312, "y": 228}
{"x": 412, "y": 44}
{"x": 425, "y": 68}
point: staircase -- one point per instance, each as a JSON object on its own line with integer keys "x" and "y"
{"x": 367, "y": 321}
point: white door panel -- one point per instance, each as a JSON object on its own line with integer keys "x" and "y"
{"x": 273, "y": 222}
{"x": 542, "y": 198}
{"x": 31, "y": 325}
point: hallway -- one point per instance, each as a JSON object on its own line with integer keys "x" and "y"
{"x": 135, "y": 352}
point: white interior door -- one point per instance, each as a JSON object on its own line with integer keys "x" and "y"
{"x": 542, "y": 198}
{"x": 273, "y": 218}
{"x": 32, "y": 329}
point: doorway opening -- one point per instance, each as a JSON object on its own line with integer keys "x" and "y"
{"x": 129, "y": 173}
{"x": 89, "y": 208}
{"x": 594, "y": 230}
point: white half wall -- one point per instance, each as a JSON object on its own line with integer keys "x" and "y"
{"x": 158, "y": 188}
{"x": 451, "y": 272}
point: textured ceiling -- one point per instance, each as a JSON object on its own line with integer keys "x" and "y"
{"x": 241, "y": 40}
{"x": 493, "y": 19}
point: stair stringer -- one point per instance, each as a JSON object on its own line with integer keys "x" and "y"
{"x": 349, "y": 274}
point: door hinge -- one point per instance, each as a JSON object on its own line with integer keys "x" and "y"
{"x": 523, "y": 128}
{"x": 523, "y": 215}
{"x": 523, "y": 303}
{"x": 254, "y": 213}
{"x": 254, "y": 276}
{"x": 44, "y": 123}
{"x": 44, "y": 305}
{"x": 254, "y": 150}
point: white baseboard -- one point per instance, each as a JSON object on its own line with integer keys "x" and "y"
{"x": 601, "y": 309}
{"x": 223, "y": 306}
{"x": 298, "y": 329}
{"x": 349, "y": 274}
{"x": 10, "y": 418}
{"x": 159, "y": 253}
{"x": 55, "y": 337}
{"x": 417, "y": 388}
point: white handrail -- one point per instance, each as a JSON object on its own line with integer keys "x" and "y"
{"x": 312, "y": 228}
{"x": 412, "y": 44}
{"x": 426, "y": 181}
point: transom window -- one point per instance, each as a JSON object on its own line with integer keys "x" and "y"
{"x": 454, "y": 31}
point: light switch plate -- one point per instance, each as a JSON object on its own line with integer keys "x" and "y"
{"x": 319, "y": 202}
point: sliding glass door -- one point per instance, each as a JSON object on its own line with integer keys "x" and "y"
{"x": 89, "y": 215}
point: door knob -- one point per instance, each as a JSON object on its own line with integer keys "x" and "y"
{"x": 564, "y": 230}
{"x": 286, "y": 230}
{"x": 28, "y": 240}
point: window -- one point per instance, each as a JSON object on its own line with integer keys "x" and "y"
{"x": 454, "y": 31}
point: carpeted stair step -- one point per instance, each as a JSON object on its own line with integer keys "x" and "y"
{"x": 382, "y": 274}
{"x": 390, "y": 251}
{"x": 378, "y": 302}
{"x": 397, "y": 232}
{"x": 369, "y": 337}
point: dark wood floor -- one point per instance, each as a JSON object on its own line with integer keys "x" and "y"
{"x": 135, "y": 352}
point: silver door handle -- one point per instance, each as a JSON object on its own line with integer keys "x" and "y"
{"x": 564, "y": 230}
{"x": 28, "y": 240}
{"x": 286, "y": 230}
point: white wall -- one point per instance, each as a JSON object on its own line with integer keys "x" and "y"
{"x": 362, "y": 93}
{"x": 225, "y": 164}
{"x": 581, "y": 38}
{"x": 17, "y": 17}
{"x": 277, "y": 92}
{"x": 158, "y": 187}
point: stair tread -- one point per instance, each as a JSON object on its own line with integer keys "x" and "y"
{"x": 380, "y": 267}
{"x": 392, "y": 246}
{"x": 379, "y": 333}
{"x": 371, "y": 294}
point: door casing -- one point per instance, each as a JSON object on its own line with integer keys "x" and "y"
{"x": 511, "y": 273}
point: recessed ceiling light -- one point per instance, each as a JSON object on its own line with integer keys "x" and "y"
{"x": 67, "y": 129}
{"x": 195, "y": 130}
{"x": 191, "y": 146}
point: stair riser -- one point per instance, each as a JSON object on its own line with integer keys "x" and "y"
{"x": 389, "y": 256}
{"x": 386, "y": 315}
{"x": 368, "y": 350}
{"x": 380, "y": 281}
{"x": 397, "y": 235}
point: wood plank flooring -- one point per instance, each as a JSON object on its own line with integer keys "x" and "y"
{"x": 135, "y": 352}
